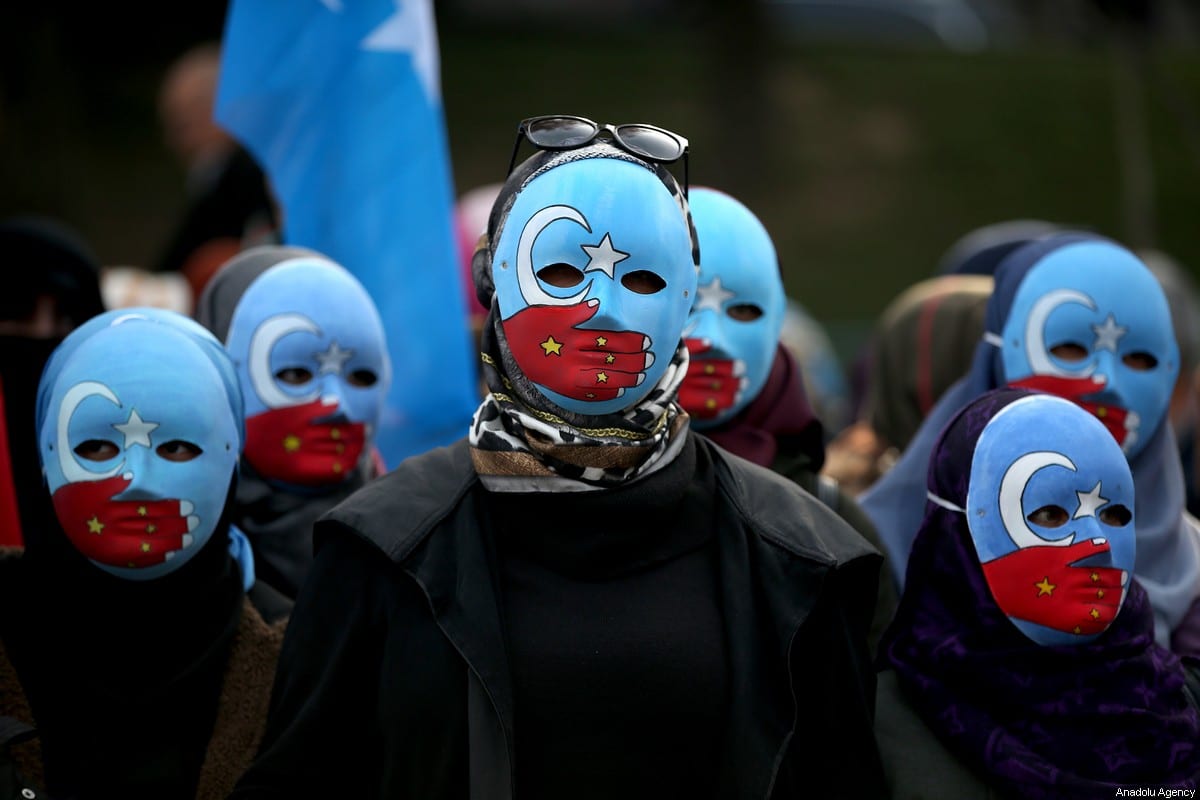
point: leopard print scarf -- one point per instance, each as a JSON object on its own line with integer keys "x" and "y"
{"x": 521, "y": 442}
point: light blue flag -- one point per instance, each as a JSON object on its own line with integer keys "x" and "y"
{"x": 339, "y": 100}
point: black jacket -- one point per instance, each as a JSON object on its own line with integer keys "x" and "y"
{"x": 394, "y": 681}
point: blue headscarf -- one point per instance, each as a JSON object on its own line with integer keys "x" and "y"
{"x": 1168, "y": 543}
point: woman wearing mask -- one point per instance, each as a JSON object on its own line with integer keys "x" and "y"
{"x": 580, "y": 598}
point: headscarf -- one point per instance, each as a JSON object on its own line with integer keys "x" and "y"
{"x": 1062, "y": 721}
{"x": 1168, "y": 563}
{"x": 276, "y": 514}
{"x": 924, "y": 342}
{"x": 45, "y": 257}
{"x": 981, "y": 250}
{"x": 523, "y": 441}
{"x": 779, "y": 417}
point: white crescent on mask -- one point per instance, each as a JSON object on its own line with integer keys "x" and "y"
{"x": 1012, "y": 487}
{"x": 71, "y": 469}
{"x": 262, "y": 380}
{"x": 531, "y": 290}
{"x": 1035, "y": 326}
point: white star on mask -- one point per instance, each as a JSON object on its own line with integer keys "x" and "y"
{"x": 1108, "y": 334}
{"x": 604, "y": 257}
{"x": 334, "y": 359}
{"x": 1089, "y": 502}
{"x": 712, "y": 296}
{"x": 136, "y": 430}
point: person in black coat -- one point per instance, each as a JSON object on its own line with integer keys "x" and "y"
{"x": 309, "y": 347}
{"x": 581, "y": 598}
{"x": 127, "y": 639}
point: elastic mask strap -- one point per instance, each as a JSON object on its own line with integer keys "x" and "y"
{"x": 946, "y": 504}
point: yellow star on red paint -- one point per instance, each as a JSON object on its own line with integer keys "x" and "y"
{"x": 601, "y": 377}
{"x": 552, "y": 347}
{"x": 1094, "y": 614}
{"x": 601, "y": 341}
{"x": 95, "y": 525}
{"x": 145, "y": 547}
{"x": 291, "y": 443}
{"x": 610, "y": 358}
{"x": 142, "y": 511}
{"x": 1045, "y": 586}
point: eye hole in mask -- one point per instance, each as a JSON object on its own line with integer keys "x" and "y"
{"x": 97, "y": 450}
{"x": 178, "y": 450}
{"x": 362, "y": 378}
{"x": 1140, "y": 361}
{"x": 1070, "y": 351}
{"x": 1050, "y": 517}
{"x": 1116, "y": 515}
{"x": 643, "y": 281}
{"x": 294, "y": 376}
{"x": 563, "y": 276}
{"x": 744, "y": 312}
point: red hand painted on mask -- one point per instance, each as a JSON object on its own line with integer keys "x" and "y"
{"x": 591, "y": 364}
{"x": 288, "y": 444}
{"x": 1074, "y": 389}
{"x": 711, "y": 385}
{"x": 120, "y": 533}
{"x": 1040, "y": 585}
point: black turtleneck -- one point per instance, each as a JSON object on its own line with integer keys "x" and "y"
{"x": 613, "y": 616}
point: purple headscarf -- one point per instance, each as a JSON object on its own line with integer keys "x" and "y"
{"x": 1038, "y": 722}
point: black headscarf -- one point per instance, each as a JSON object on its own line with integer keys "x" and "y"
{"x": 41, "y": 257}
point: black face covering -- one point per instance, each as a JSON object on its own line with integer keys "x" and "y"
{"x": 21, "y": 363}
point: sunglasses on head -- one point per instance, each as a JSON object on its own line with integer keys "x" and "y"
{"x": 567, "y": 132}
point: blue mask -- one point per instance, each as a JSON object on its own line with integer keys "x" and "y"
{"x": 140, "y": 431}
{"x": 1050, "y": 505}
{"x": 1089, "y": 322}
{"x": 311, "y": 353}
{"x": 594, "y": 276}
{"x": 733, "y": 330}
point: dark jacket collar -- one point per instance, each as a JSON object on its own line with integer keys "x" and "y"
{"x": 773, "y": 568}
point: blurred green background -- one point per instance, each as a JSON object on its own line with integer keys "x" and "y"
{"x": 865, "y": 159}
